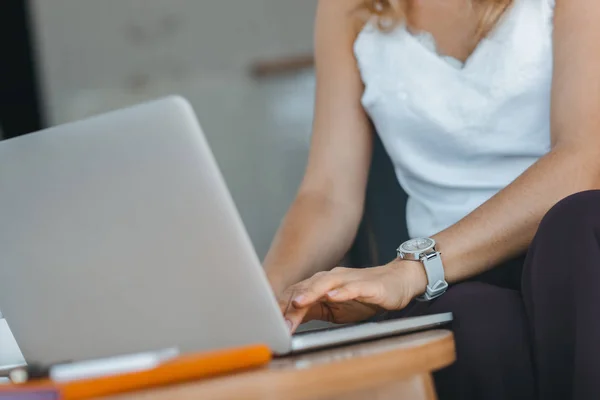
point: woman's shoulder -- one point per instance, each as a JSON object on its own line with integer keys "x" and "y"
{"x": 349, "y": 15}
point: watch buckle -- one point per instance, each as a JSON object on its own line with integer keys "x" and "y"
{"x": 433, "y": 292}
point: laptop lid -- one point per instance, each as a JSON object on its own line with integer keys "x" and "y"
{"x": 118, "y": 235}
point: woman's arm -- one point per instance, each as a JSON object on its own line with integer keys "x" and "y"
{"x": 322, "y": 222}
{"x": 504, "y": 226}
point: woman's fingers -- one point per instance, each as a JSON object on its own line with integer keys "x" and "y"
{"x": 344, "y": 293}
{"x": 361, "y": 291}
{"x": 296, "y": 316}
{"x": 315, "y": 288}
{"x": 305, "y": 300}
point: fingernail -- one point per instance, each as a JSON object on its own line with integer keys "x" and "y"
{"x": 332, "y": 293}
{"x": 289, "y": 324}
{"x": 300, "y": 299}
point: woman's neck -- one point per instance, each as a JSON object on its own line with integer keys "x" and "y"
{"x": 454, "y": 24}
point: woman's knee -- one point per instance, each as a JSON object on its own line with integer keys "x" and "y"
{"x": 568, "y": 231}
{"x": 572, "y": 214}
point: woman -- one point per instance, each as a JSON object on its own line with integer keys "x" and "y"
{"x": 490, "y": 112}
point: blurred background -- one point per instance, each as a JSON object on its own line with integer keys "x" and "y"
{"x": 245, "y": 66}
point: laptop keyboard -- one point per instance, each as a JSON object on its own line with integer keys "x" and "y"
{"x": 326, "y": 329}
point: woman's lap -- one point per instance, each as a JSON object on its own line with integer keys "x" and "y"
{"x": 492, "y": 342}
{"x": 491, "y": 334}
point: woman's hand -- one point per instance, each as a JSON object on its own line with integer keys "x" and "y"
{"x": 346, "y": 295}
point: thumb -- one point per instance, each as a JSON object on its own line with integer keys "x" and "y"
{"x": 315, "y": 312}
{"x": 295, "y": 316}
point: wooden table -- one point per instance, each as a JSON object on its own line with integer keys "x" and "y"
{"x": 393, "y": 368}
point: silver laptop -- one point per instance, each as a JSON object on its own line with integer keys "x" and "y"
{"x": 118, "y": 235}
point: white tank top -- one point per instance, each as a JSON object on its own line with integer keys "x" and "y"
{"x": 457, "y": 134}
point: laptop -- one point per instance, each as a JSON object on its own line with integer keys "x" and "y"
{"x": 118, "y": 235}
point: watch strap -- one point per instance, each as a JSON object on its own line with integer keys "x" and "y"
{"x": 434, "y": 269}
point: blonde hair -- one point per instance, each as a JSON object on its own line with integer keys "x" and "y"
{"x": 390, "y": 13}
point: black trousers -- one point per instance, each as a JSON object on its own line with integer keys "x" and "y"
{"x": 538, "y": 338}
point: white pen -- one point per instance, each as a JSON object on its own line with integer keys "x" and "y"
{"x": 110, "y": 366}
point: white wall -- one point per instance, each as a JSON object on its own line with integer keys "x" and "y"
{"x": 98, "y": 55}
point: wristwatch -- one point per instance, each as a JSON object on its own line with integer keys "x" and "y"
{"x": 423, "y": 250}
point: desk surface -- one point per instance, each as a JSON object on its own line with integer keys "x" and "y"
{"x": 325, "y": 374}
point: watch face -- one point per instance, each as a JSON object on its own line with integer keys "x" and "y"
{"x": 417, "y": 245}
